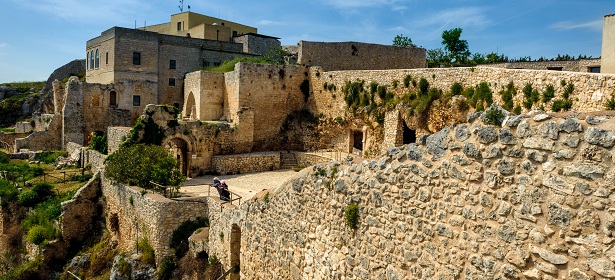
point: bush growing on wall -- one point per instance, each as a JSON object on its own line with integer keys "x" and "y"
{"x": 139, "y": 164}
{"x": 548, "y": 94}
{"x": 351, "y": 216}
{"x": 99, "y": 143}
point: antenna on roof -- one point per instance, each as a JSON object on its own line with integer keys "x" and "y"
{"x": 188, "y": 8}
{"x": 181, "y": 6}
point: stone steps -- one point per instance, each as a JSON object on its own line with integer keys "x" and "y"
{"x": 287, "y": 160}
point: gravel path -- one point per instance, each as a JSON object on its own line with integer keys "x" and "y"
{"x": 246, "y": 185}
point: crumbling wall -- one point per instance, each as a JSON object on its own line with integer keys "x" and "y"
{"x": 532, "y": 199}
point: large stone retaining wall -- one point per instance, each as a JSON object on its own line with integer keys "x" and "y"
{"x": 533, "y": 200}
{"x": 132, "y": 213}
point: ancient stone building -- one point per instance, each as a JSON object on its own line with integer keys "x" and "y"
{"x": 608, "y": 45}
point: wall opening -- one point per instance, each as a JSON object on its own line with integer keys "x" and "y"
{"x": 409, "y": 134}
{"x": 555, "y": 68}
{"x": 179, "y": 150}
{"x": 190, "y": 108}
{"x": 235, "y": 251}
{"x": 357, "y": 140}
{"x": 113, "y": 98}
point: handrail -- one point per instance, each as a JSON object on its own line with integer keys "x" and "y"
{"x": 172, "y": 189}
{"x": 231, "y": 199}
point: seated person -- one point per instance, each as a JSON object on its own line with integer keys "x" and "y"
{"x": 223, "y": 190}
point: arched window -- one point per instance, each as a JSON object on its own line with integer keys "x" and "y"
{"x": 92, "y": 60}
{"x": 97, "y": 62}
{"x": 87, "y": 60}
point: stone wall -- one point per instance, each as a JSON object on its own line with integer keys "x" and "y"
{"x": 608, "y": 41}
{"x": 96, "y": 159}
{"x": 258, "y": 44}
{"x": 80, "y": 214}
{"x": 243, "y": 163}
{"x": 583, "y": 65}
{"x": 131, "y": 213}
{"x": 533, "y": 199}
{"x": 359, "y": 56}
{"x": 116, "y": 135}
{"x": 309, "y": 159}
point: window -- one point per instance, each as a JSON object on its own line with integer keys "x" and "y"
{"x": 113, "y": 98}
{"x": 594, "y": 69}
{"x": 136, "y": 100}
{"x": 555, "y": 68}
{"x": 234, "y": 33}
{"x": 97, "y": 61}
{"x": 171, "y": 82}
{"x": 92, "y": 60}
{"x": 172, "y": 64}
{"x": 179, "y": 26}
{"x": 107, "y": 58}
{"x": 87, "y": 60}
{"x": 136, "y": 58}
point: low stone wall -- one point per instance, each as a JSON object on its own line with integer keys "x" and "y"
{"x": 533, "y": 199}
{"x": 132, "y": 213}
{"x": 308, "y": 159}
{"x": 244, "y": 163}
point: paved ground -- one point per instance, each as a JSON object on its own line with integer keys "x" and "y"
{"x": 246, "y": 185}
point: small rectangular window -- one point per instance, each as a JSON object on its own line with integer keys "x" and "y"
{"x": 206, "y": 63}
{"x": 594, "y": 69}
{"x": 172, "y": 82}
{"x": 172, "y": 64}
{"x": 136, "y": 58}
{"x": 136, "y": 100}
{"x": 107, "y": 58}
{"x": 112, "y": 98}
{"x": 179, "y": 26}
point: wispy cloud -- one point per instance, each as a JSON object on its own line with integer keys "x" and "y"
{"x": 85, "y": 11}
{"x": 568, "y": 25}
{"x": 266, "y": 22}
{"x": 460, "y": 17}
{"x": 2, "y": 45}
{"x": 346, "y": 4}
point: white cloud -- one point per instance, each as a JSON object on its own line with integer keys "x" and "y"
{"x": 2, "y": 45}
{"x": 568, "y": 25}
{"x": 266, "y": 22}
{"x": 346, "y": 4}
{"x": 461, "y": 17}
{"x": 113, "y": 11}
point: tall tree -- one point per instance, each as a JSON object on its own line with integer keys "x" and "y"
{"x": 457, "y": 48}
{"x": 402, "y": 41}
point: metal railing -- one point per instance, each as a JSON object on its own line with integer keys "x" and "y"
{"x": 231, "y": 194}
{"x": 167, "y": 191}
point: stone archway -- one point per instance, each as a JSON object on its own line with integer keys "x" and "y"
{"x": 179, "y": 150}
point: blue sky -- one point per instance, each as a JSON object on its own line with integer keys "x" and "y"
{"x": 39, "y": 36}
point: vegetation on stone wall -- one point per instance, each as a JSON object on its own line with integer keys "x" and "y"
{"x": 99, "y": 143}
{"x": 229, "y": 65}
{"x": 564, "y": 103}
{"x": 507, "y": 96}
{"x": 351, "y": 216}
{"x": 610, "y": 104}
{"x": 139, "y": 164}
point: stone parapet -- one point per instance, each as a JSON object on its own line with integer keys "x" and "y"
{"x": 243, "y": 163}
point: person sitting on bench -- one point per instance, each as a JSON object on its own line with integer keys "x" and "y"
{"x": 223, "y": 190}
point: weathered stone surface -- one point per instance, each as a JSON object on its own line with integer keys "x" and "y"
{"x": 538, "y": 143}
{"x": 506, "y": 167}
{"x": 470, "y": 149}
{"x": 549, "y": 256}
{"x": 514, "y": 121}
{"x": 486, "y": 134}
{"x": 557, "y": 183}
{"x": 603, "y": 267}
{"x": 570, "y": 125}
{"x": 572, "y": 141}
{"x": 506, "y": 137}
{"x": 549, "y": 130}
{"x": 438, "y": 143}
{"x": 576, "y": 274}
{"x": 492, "y": 152}
{"x": 559, "y": 216}
{"x": 585, "y": 170}
{"x": 462, "y": 132}
{"x": 601, "y": 137}
{"x": 595, "y": 119}
{"x": 541, "y": 117}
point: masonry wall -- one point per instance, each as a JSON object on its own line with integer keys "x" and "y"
{"x": 258, "y": 45}
{"x": 115, "y": 137}
{"x": 583, "y": 65}
{"x": 530, "y": 200}
{"x": 243, "y": 163}
{"x": 130, "y": 213}
{"x": 359, "y": 56}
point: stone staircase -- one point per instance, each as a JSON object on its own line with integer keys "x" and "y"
{"x": 287, "y": 160}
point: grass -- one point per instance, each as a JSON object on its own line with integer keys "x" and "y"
{"x": 229, "y": 65}
{"x": 25, "y": 86}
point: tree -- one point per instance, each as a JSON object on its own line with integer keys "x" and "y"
{"x": 437, "y": 57}
{"x": 402, "y": 41}
{"x": 457, "y": 48}
{"x": 139, "y": 164}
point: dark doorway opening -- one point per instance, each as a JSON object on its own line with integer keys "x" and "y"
{"x": 235, "y": 251}
{"x": 409, "y": 135}
{"x": 358, "y": 140}
{"x": 179, "y": 148}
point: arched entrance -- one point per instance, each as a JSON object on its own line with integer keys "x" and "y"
{"x": 190, "y": 107}
{"x": 179, "y": 150}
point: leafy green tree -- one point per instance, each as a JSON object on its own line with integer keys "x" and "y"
{"x": 139, "y": 164}
{"x": 437, "y": 57}
{"x": 457, "y": 48}
{"x": 402, "y": 41}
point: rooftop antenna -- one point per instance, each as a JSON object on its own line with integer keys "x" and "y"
{"x": 181, "y": 6}
{"x": 188, "y": 8}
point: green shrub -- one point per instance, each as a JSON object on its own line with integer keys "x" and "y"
{"x": 517, "y": 110}
{"x": 81, "y": 178}
{"x": 456, "y": 89}
{"x": 423, "y": 86}
{"x": 373, "y": 87}
{"x": 28, "y": 198}
{"x": 484, "y": 93}
{"x": 463, "y": 105}
{"x": 167, "y": 266}
{"x": 351, "y": 216}
{"x": 4, "y": 158}
{"x": 568, "y": 90}
{"x": 610, "y": 104}
{"x": 561, "y": 105}
{"x": 99, "y": 143}
{"x": 352, "y": 93}
{"x": 139, "y": 164}
{"x": 494, "y": 116}
{"x": 382, "y": 92}
{"x": 407, "y": 80}
{"x": 548, "y": 94}
{"x": 395, "y": 83}
{"x": 123, "y": 266}
{"x": 41, "y": 233}
{"x": 50, "y": 156}
{"x": 507, "y": 96}
{"x": 229, "y": 65}
{"x": 147, "y": 253}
